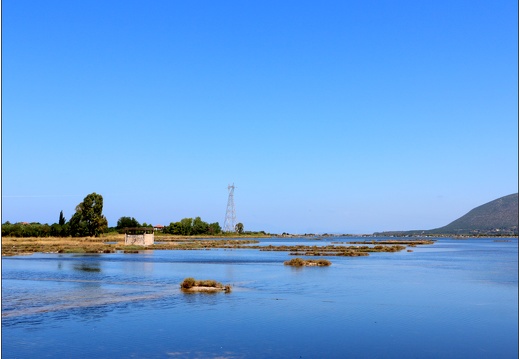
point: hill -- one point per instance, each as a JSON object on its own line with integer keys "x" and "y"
{"x": 498, "y": 217}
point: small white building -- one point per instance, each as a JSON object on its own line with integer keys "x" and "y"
{"x": 139, "y": 236}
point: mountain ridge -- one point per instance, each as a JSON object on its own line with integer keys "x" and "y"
{"x": 497, "y": 217}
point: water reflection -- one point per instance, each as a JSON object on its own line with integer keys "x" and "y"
{"x": 87, "y": 267}
{"x": 138, "y": 267}
{"x": 202, "y": 298}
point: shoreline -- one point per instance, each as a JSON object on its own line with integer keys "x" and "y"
{"x": 111, "y": 244}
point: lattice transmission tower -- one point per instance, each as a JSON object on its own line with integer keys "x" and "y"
{"x": 229, "y": 222}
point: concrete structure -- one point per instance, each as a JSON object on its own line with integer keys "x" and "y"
{"x": 139, "y": 236}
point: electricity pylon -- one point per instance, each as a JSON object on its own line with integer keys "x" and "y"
{"x": 229, "y": 222}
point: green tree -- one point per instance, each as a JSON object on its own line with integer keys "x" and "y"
{"x": 214, "y": 228}
{"x": 186, "y": 224}
{"x": 62, "y": 220}
{"x": 77, "y": 226}
{"x": 127, "y": 222}
{"x": 7, "y": 228}
{"x": 199, "y": 226}
{"x": 89, "y": 219}
{"x": 174, "y": 228}
{"x": 239, "y": 228}
{"x": 56, "y": 230}
{"x": 65, "y": 230}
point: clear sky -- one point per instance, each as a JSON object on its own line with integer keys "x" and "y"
{"x": 329, "y": 116}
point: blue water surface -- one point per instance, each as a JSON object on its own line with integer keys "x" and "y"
{"x": 452, "y": 299}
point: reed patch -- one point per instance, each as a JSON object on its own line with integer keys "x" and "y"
{"x": 191, "y": 284}
{"x": 300, "y": 262}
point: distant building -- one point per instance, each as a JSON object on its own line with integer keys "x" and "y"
{"x": 139, "y": 236}
{"x": 158, "y": 227}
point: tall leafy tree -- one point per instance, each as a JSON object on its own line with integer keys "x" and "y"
{"x": 62, "y": 220}
{"x": 77, "y": 226}
{"x": 239, "y": 228}
{"x": 89, "y": 219}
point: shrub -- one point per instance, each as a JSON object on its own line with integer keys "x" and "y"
{"x": 295, "y": 262}
{"x": 191, "y": 282}
{"x": 208, "y": 283}
{"x": 299, "y": 262}
{"x": 323, "y": 262}
{"x": 188, "y": 283}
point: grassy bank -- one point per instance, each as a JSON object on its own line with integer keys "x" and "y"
{"x": 115, "y": 242}
{"x": 109, "y": 244}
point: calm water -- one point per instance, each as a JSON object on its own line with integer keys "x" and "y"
{"x": 453, "y": 299}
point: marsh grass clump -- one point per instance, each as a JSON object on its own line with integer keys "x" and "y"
{"x": 323, "y": 262}
{"x": 204, "y": 285}
{"x": 411, "y": 242}
{"x": 295, "y": 262}
{"x": 188, "y": 283}
{"x": 208, "y": 283}
{"x": 299, "y": 262}
{"x": 331, "y": 250}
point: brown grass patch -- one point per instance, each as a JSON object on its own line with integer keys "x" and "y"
{"x": 299, "y": 262}
{"x": 206, "y": 285}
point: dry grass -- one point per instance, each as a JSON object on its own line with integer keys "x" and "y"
{"x": 330, "y": 250}
{"x": 191, "y": 284}
{"x": 15, "y": 246}
{"x": 410, "y": 242}
{"x": 299, "y": 262}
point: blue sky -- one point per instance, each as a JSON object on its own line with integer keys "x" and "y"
{"x": 330, "y": 116}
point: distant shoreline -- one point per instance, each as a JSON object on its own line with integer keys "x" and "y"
{"x": 116, "y": 243}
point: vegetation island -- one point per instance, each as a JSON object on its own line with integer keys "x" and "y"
{"x": 299, "y": 262}
{"x": 192, "y": 285}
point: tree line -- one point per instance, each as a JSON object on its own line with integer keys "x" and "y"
{"x": 185, "y": 227}
{"x": 88, "y": 220}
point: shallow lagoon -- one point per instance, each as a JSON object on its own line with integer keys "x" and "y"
{"x": 452, "y": 299}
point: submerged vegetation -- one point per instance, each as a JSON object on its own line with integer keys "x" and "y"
{"x": 193, "y": 285}
{"x": 409, "y": 242}
{"x": 331, "y": 250}
{"x": 299, "y": 262}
